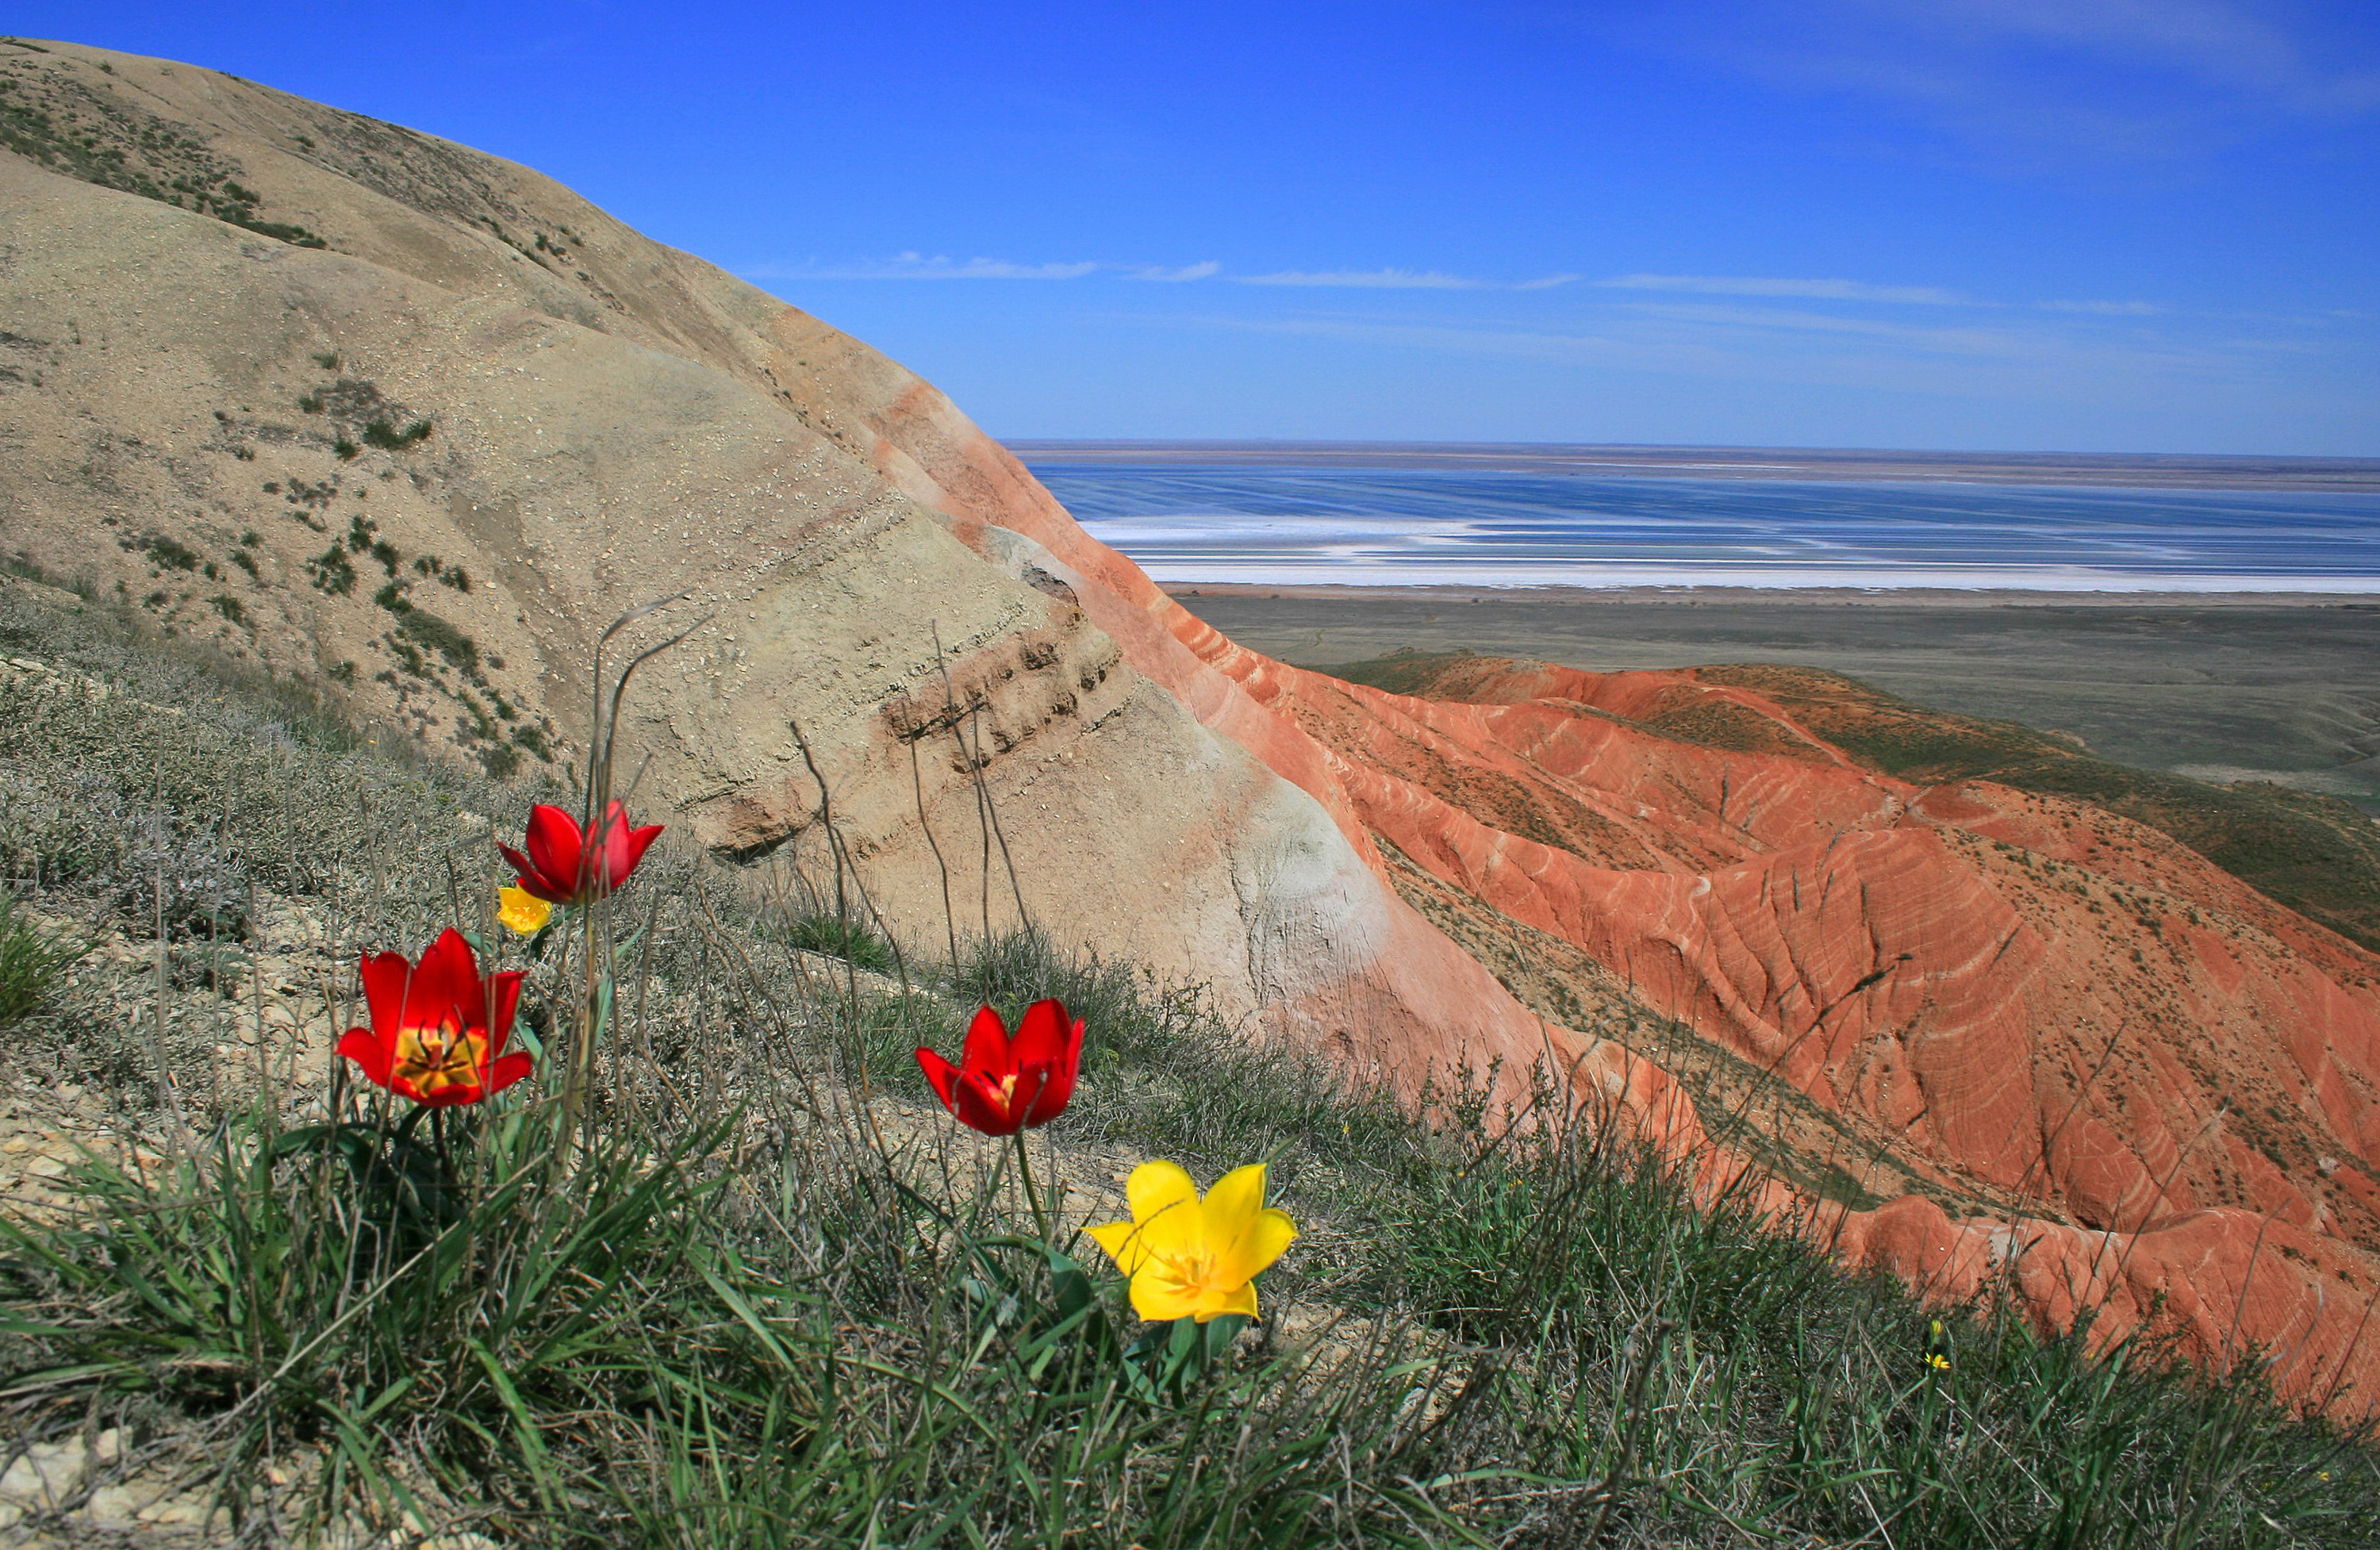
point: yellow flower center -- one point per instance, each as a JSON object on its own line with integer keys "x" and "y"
{"x": 434, "y": 1059}
{"x": 1190, "y": 1267}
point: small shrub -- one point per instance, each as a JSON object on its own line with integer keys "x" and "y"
{"x": 168, "y": 554}
{"x": 332, "y": 572}
{"x": 345, "y": 449}
{"x": 382, "y": 434}
{"x": 440, "y": 635}
{"x": 230, "y": 607}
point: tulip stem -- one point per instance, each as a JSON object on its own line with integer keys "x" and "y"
{"x": 1032, "y": 1195}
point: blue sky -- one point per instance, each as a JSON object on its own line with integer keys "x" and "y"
{"x": 2062, "y": 225}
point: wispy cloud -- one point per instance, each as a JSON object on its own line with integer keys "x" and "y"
{"x": 1399, "y": 280}
{"x": 1932, "y": 341}
{"x": 1159, "y": 273}
{"x": 1745, "y": 344}
{"x": 1368, "y": 279}
{"x": 1825, "y": 290}
{"x": 2051, "y": 80}
{"x": 2103, "y": 308}
{"x": 917, "y": 266}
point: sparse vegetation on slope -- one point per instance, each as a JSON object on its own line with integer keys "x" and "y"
{"x": 782, "y": 1300}
{"x": 85, "y": 129}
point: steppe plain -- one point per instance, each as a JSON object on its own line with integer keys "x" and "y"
{"x": 2220, "y": 687}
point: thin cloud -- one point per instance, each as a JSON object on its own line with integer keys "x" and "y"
{"x": 1737, "y": 346}
{"x": 1938, "y": 341}
{"x": 1159, "y": 273}
{"x": 1368, "y": 279}
{"x": 917, "y": 266}
{"x": 1399, "y": 280}
{"x": 1816, "y": 290}
{"x": 2104, "y": 309}
{"x": 2034, "y": 81}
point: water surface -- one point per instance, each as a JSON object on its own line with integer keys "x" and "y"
{"x": 1189, "y": 522}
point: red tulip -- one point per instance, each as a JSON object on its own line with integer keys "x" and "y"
{"x": 1002, "y": 1086}
{"x": 557, "y": 867}
{"x": 432, "y": 1038}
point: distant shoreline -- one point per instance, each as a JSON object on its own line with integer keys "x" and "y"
{"x": 1882, "y": 595}
{"x": 2150, "y": 470}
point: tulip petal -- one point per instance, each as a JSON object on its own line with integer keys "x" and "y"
{"x": 943, "y": 1077}
{"x": 1051, "y": 1039}
{"x": 1234, "y": 1200}
{"x": 532, "y": 881}
{"x": 622, "y": 847}
{"x": 1158, "y": 1296}
{"x": 1041, "y": 1034}
{"x": 1155, "y": 1186}
{"x": 1033, "y": 1084}
{"x": 507, "y": 986}
{"x": 979, "y": 1106}
{"x": 554, "y": 850}
{"x": 448, "y": 977}
{"x": 1122, "y": 1240}
{"x": 509, "y": 1070}
{"x": 1250, "y": 1254}
{"x": 1246, "y": 1236}
{"x": 1241, "y": 1299}
{"x": 523, "y": 912}
{"x": 987, "y": 1052}
{"x": 368, "y": 1052}
{"x": 386, "y": 976}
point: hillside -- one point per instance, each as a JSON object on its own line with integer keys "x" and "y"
{"x": 408, "y": 427}
{"x": 413, "y": 425}
{"x": 782, "y": 1332}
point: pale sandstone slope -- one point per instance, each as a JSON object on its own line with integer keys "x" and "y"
{"x": 613, "y": 421}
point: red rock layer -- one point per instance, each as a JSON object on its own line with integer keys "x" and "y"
{"x": 2002, "y": 990}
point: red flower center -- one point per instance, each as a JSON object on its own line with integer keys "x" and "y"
{"x": 435, "y": 1059}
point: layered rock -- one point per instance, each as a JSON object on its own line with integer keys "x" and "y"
{"x": 2142, "y": 1083}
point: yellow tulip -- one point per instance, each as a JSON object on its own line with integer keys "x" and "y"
{"x": 1193, "y": 1258}
{"x": 523, "y": 912}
